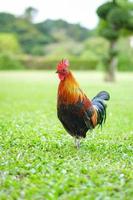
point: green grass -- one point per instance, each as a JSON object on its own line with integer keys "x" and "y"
{"x": 38, "y": 159}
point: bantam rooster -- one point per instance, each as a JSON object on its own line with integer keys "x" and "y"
{"x": 75, "y": 110}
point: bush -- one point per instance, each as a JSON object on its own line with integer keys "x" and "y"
{"x": 8, "y": 62}
{"x": 42, "y": 63}
{"x": 9, "y": 43}
{"x": 125, "y": 52}
{"x": 125, "y": 63}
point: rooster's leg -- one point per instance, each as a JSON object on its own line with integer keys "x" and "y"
{"x": 77, "y": 142}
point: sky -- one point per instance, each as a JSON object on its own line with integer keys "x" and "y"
{"x": 73, "y": 11}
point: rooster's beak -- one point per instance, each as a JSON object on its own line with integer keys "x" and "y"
{"x": 57, "y": 71}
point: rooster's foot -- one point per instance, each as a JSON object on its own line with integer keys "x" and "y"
{"x": 77, "y": 142}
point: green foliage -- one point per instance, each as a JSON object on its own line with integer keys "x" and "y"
{"x": 106, "y": 31}
{"x": 125, "y": 58}
{"x": 92, "y": 57}
{"x": 115, "y": 18}
{"x": 118, "y": 18}
{"x": 9, "y": 62}
{"x": 29, "y": 37}
{"x": 9, "y": 43}
{"x": 63, "y": 49}
{"x": 43, "y": 63}
{"x": 30, "y": 13}
{"x": 110, "y": 34}
{"x": 38, "y": 159}
{"x": 6, "y": 22}
{"x": 98, "y": 45}
{"x": 9, "y": 50}
{"x": 95, "y": 50}
{"x": 129, "y": 24}
{"x": 125, "y": 62}
{"x": 73, "y": 31}
{"x": 104, "y": 9}
{"x": 57, "y": 39}
{"x": 27, "y": 34}
{"x": 33, "y": 37}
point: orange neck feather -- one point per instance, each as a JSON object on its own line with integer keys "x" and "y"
{"x": 69, "y": 91}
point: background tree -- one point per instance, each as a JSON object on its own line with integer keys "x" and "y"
{"x": 6, "y": 22}
{"x": 116, "y": 20}
{"x": 30, "y": 13}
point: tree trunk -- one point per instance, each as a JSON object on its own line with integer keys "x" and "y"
{"x": 112, "y": 63}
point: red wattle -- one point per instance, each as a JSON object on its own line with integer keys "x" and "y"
{"x": 61, "y": 76}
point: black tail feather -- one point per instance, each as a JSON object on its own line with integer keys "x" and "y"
{"x": 99, "y": 103}
{"x": 102, "y": 95}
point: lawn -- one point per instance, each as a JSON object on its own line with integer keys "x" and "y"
{"x": 38, "y": 160}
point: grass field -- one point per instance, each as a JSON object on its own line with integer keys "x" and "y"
{"x": 38, "y": 160}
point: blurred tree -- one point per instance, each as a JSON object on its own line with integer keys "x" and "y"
{"x": 116, "y": 20}
{"x": 33, "y": 38}
{"x": 30, "y": 13}
{"x": 73, "y": 31}
{"x": 29, "y": 37}
{"x": 6, "y": 22}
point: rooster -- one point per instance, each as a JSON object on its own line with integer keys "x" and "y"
{"x": 75, "y": 110}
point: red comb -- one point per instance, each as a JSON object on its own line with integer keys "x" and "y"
{"x": 63, "y": 64}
